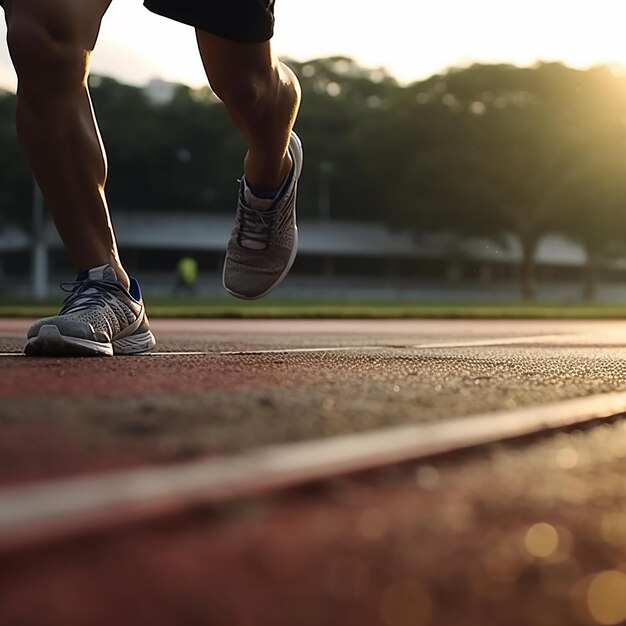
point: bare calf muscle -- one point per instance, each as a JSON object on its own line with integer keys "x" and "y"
{"x": 50, "y": 45}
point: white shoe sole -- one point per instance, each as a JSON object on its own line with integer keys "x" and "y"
{"x": 50, "y": 342}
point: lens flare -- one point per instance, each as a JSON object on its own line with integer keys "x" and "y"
{"x": 606, "y": 597}
{"x": 541, "y": 540}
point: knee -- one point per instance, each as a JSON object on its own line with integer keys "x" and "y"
{"x": 246, "y": 91}
{"x": 47, "y": 57}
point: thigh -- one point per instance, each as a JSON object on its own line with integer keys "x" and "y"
{"x": 229, "y": 62}
{"x": 75, "y": 20}
{"x": 247, "y": 21}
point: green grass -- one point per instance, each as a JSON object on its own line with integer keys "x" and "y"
{"x": 364, "y": 309}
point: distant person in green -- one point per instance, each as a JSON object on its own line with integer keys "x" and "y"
{"x": 186, "y": 275}
{"x": 50, "y": 42}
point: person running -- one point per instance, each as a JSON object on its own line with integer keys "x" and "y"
{"x": 186, "y": 276}
{"x": 50, "y": 44}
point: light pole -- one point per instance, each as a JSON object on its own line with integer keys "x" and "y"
{"x": 39, "y": 272}
{"x": 325, "y": 170}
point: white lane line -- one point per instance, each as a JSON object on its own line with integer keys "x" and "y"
{"x": 299, "y": 350}
{"x": 553, "y": 339}
{"x": 58, "y": 509}
{"x": 501, "y": 341}
{"x": 182, "y": 353}
{"x": 189, "y": 353}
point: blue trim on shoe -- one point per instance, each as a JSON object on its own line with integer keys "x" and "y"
{"x": 263, "y": 195}
{"x": 134, "y": 289}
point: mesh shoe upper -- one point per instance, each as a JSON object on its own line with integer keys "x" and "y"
{"x": 98, "y": 308}
{"x": 252, "y": 272}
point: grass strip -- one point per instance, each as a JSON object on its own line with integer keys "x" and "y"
{"x": 327, "y": 309}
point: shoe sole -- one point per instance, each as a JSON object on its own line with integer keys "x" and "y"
{"x": 294, "y": 250}
{"x": 50, "y": 342}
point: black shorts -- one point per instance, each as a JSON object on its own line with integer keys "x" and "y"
{"x": 250, "y": 21}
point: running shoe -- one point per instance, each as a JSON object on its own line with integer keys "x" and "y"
{"x": 100, "y": 317}
{"x": 264, "y": 242}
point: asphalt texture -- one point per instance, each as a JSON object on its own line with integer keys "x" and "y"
{"x": 524, "y": 534}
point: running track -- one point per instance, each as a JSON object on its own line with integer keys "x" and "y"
{"x": 375, "y": 548}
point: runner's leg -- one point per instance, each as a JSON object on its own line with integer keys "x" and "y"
{"x": 262, "y": 96}
{"x": 50, "y": 45}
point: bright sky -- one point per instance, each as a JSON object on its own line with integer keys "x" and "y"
{"x": 411, "y": 38}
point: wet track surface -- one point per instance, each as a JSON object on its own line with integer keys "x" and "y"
{"x": 531, "y": 533}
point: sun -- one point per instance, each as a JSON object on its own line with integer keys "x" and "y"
{"x": 412, "y": 39}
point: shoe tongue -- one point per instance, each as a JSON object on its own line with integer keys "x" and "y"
{"x": 260, "y": 205}
{"x": 102, "y": 272}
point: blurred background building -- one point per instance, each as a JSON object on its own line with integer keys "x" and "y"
{"x": 337, "y": 259}
{"x": 491, "y": 182}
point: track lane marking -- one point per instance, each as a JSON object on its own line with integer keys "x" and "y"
{"x": 305, "y": 350}
{"x": 502, "y": 341}
{"x": 552, "y": 339}
{"x": 189, "y": 353}
{"x": 180, "y": 353}
{"x": 46, "y": 512}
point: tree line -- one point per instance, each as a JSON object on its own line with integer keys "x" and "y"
{"x": 483, "y": 151}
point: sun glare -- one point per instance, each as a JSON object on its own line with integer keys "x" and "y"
{"x": 410, "y": 38}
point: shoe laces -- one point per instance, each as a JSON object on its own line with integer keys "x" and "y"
{"x": 256, "y": 224}
{"x": 85, "y": 294}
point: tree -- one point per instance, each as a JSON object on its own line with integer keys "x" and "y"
{"x": 16, "y": 186}
{"x": 338, "y": 98}
{"x": 483, "y": 150}
{"x": 592, "y": 205}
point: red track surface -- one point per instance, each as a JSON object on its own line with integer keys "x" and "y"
{"x": 426, "y": 547}
{"x": 127, "y": 375}
{"x": 421, "y": 546}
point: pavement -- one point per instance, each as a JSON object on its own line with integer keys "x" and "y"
{"x": 530, "y": 532}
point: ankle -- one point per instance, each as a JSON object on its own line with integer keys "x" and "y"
{"x": 122, "y": 276}
{"x": 266, "y": 174}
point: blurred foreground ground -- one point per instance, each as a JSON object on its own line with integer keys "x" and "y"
{"x": 532, "y": 533}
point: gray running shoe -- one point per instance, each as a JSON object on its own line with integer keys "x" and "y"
{"x": 100, "y": 317}
{"x": 263, "y": 244}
